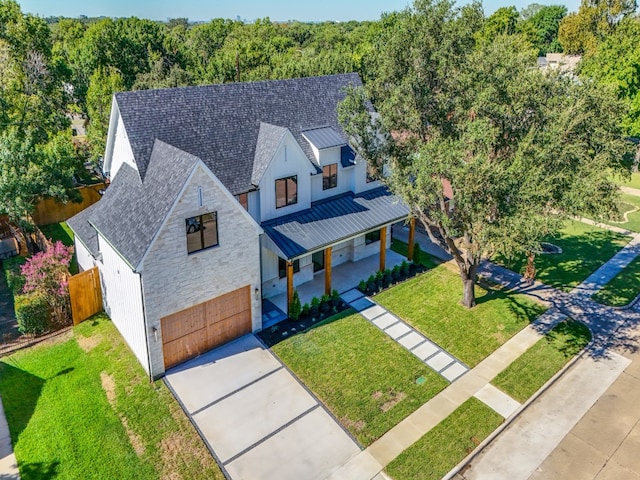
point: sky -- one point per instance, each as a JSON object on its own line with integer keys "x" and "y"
{"x": 276, "y": 10}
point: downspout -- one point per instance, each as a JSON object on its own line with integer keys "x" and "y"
{"x": 146, "y": 328}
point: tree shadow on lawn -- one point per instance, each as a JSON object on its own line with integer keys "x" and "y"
{"x": 581, "y": 255}
{"x": 36, "y": 471}
{"x": 517, "y": 304}
{"x": 20, "y": 391}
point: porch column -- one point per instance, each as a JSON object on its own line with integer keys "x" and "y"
{"x": 383, "y": 248}
{"x": 412, "y": 238}
{"x": 289, "y": 285}
{"x": 327, "y": 271}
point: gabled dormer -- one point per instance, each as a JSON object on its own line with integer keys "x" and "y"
{"x": 282, "y": 172}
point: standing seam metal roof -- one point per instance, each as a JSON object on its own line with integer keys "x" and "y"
{"x": 333, "y": 220}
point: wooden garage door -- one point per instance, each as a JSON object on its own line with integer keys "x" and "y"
{"x": 195, "y": 330}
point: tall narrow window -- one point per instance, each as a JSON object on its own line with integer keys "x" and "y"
{"x": 286, "y": 191}
{"x": 200, "y": 197}
{"x": 202, "y": 231}
{"x": 330, "y": 176}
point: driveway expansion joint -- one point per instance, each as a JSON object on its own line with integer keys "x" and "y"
{"x": 224, "y": 397}
{"x": 272, "y": 434}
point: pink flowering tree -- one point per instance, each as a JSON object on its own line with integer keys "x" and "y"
{"x": 46, "y": 275}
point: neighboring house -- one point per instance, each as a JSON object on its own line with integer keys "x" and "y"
{"x": 559, "y": 61}
{"x": 221, "y": 196}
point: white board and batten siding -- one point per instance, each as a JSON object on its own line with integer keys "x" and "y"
{"x": 289, "y": 160}
{"x": 84, "y": 258}
{"x": 119, "y": 149}
{"x": 122, "y": 297}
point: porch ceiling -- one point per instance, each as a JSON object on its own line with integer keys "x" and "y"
{"x": 333, "y": 220}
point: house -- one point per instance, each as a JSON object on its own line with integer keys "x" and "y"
{"x": 220, "y": 196}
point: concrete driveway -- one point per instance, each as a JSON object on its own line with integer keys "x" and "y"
{"x": 256, "y": 418}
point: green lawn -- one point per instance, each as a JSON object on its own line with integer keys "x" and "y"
{"x": 623, "y": 288}
{"x": 442, "y": 448}
{"x": 628, "y": 203}
{"x": 83, "y": 407}
{"x": 58, "y": 231}
{"x": 634, "y": 182}
{"x": 400, "y": 247}
{"x": 543, "y": 360}
{"x": 367, "y": 380}
{"x": 584, "y": 249}
{"x": 431, "y": 303}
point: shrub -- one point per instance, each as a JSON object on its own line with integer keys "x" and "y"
{"x": 362, "y": 286}
{"x": 371, "y": 285}
{"x": 335, "y": 298}
{"x": 387, "y": 278}
{"x": 396, "y": 273}
{"x": 417, "y": 253}
{"x": 32, "y": 314}
{"x": 315, "y": 306}
{"x": 404, "y": 268}
{"x": 305, "y": 310}
{"x": 295, "y": 309}
{"x": 15, "y": 280}
{"x": 46, "y": 274}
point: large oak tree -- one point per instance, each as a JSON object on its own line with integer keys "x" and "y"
{"x": 521, "y": 149}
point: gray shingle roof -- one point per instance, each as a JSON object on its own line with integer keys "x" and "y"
{"x": 220, "y": 123}
{"x": 269, "y": 138}
{"x": 333, "y": 220}
{"x": 131, "y": 212}
{"x": 79, "y": 223}
{"x": 324, "y": 137}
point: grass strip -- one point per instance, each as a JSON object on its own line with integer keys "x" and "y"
{"x": 445, "y": 445}
{"x": 366, "y": 379}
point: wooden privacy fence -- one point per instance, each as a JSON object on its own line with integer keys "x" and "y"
{"x": 85, "y": 295}
{"x": 49, "y": 210}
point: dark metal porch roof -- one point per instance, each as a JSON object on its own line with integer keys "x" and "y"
{"x": 333, "y": 220}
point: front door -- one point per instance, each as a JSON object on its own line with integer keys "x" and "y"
{"x": 318, "y": 261}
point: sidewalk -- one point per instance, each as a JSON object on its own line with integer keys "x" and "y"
{"x": 580, "y": 388}
{"x": 8, "y": 464}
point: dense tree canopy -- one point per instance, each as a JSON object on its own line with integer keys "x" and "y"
{"x": 37, "y": 156}
{"x": 521, "y": 149}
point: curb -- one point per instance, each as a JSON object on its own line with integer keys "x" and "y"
{"x": 461, "y": 466}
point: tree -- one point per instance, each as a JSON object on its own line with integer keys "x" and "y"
{"x": 502, "y": 22}
{"x": 103, "y": 84}
{"x": 580, "y": 32}
{"x": 29, "y": 170}
{"x": 540, "y": 24}
{"x": 616, "y": 62}
{"x": 520, "y": 149}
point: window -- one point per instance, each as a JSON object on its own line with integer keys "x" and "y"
{"x": 286, "y": 191}
{"x": 372, "y": 237}
{"x": 330, "y": 176}
{"x": 202, "y": 232}
{"x": 242, "y": 198}
{"x": 371, "y": 175}
{"x": 282, "y": 267}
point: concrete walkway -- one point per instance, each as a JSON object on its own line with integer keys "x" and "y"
{"x": 630, "y": 191}
{"x": 8, "y": 464}
{"x": 603, "y": 275}
{"x": 431, "y": 354}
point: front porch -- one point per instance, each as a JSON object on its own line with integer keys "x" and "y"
{"x": 343, "y": 277}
